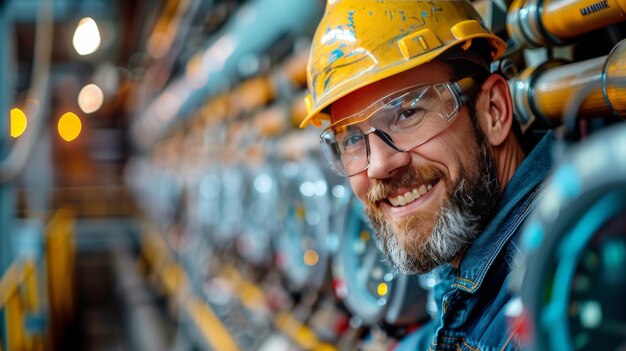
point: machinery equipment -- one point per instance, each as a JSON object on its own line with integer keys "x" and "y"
{"x": 572, "y": 282}
{"x": 555, "y": 92}
{"x": 536, "y": 23}
{"x": 369, "y": 286}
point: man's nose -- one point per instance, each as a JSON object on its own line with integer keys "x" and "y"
{"x": 384, "y": 158}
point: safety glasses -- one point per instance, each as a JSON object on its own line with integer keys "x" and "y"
{"x": 403, "y": 120}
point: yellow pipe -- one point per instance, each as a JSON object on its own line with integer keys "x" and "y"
{"x": 298, "y": 111}
{"x": 570, "y": 18}
{"x": 293, "y": 70}
{"x": 552, "y": 22}
{"x": 270, "y": 121}
{"x": 11, "y": 280}
{"x": 597, "y": 85}
{"x": 31, "y": 287}
{"x": 15, "y": 322}
{"x": 214, "y": 332}
{"x": 300, "y": 333}
{"x": 60, "y": 258}
{"x": 175, "y": 281}
{"x": 555, "y": 87}
{"x": 252, "y": 94}
{"x": 31, "y": 302}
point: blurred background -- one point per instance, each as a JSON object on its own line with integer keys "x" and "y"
{"x": 156, "y": 192}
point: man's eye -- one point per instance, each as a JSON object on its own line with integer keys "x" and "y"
{"x": 406, "y": 114}
{"x": 410, "y": 116}
{"x": 352, "y": 142}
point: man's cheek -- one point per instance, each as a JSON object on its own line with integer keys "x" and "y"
{"x": 359, "y": 187}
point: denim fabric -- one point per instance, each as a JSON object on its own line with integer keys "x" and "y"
{"x": 472, "y": 298}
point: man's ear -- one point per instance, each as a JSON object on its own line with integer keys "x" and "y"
{"x": 494, "y": 109}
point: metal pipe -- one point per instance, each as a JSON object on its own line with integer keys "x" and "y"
{"x": 554, "y": 90}
{"x": 15, "y": 161}
{"x": 165, "y": 44}
{"x": 254, "y": 28}
{"x": 7, "y": 193}
{"x": 537, "y": 23}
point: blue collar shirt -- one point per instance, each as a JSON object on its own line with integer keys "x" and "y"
{"x": 471, "y": 300}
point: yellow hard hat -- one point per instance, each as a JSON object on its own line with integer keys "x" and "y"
{"x": 359, "y": 42}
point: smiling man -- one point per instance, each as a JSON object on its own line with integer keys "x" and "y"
{"x": 426, "y": 135}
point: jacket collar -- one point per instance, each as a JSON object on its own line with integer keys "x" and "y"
{"x": 513, "y": 207}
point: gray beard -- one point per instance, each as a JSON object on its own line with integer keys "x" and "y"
{"x": 459, "y": 222}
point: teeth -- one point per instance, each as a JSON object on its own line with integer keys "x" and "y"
{"x": 394, "y": 202}
{"x": 423, "y": 189}
{"x": 410, "y": 196}
{"x": 401, "y": 200}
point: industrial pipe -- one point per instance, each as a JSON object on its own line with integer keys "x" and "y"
{"x": 553, "y": 91}
{"x": 13, "y": 163}
{"x": 537, "y": 23}
{"x": 253, "y": 30}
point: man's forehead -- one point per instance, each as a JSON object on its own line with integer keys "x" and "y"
{"x": 355, "y": 102}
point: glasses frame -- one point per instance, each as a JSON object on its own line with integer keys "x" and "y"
{"x": 460, "y": 91}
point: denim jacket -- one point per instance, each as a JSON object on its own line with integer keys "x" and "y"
{"x": 471, "y": 300}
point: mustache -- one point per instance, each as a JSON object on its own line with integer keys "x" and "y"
{"x": 381, "y": 189}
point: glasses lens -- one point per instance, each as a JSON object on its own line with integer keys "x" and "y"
{"x": 408, "y": 118}
{"x": 417, "y": 116}
{"x": 345, "y": 149}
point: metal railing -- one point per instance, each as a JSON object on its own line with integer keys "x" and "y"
{"x": 37, "y": 294}
{"x": 60, "y": 257}
{"x": 20, "y": 305}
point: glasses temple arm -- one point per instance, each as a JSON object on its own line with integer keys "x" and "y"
{"x": 465, "y": 88}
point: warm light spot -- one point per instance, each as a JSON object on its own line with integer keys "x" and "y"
{"x": 365, "y": 235}
{"x": 69, "y": 126}
{"x": 18, "y": 122}
{"x": 311, "y": 257}
{"x": 195, "y": 71}
{"x": 300, "y": 212}
{"x": 90, "y": 98}
{"x": 382, "y": 289}
{"x": 86, "y": 39}
{"x": 159, "y": 44}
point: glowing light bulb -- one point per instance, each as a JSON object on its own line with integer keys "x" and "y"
{"x": 18, "y": 122}
{"x": 69, "y": 126}
{"x": 86, "y": 38}
{"x": 90, "y": 98}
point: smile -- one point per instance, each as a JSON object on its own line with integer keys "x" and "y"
{"x": 410, "y": 196}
